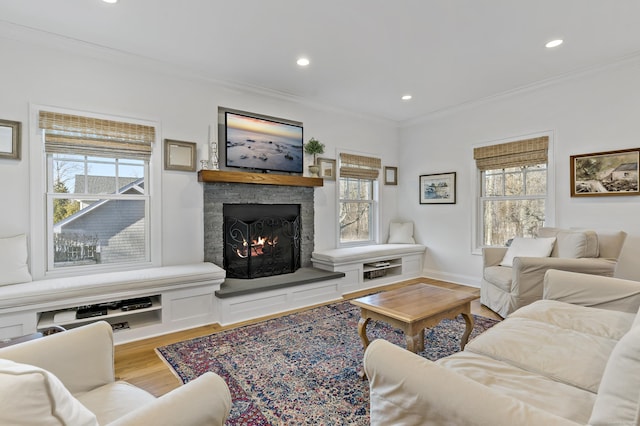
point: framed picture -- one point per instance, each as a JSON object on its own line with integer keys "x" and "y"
{"x": 179, "y": 155}
{"x": 10, "y": 139}
{"x": 327, "y": 168}
{"x": 390, "y": 175}
{"x": 605, "y": 173}
{"x": 438, "y": 188}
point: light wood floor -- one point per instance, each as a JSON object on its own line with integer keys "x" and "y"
{"x": 138, "y": 363}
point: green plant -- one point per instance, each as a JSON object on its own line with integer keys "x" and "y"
{"x": 314, "y": 147}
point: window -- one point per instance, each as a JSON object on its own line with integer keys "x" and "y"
{"x": 97, "y": 195}
{"x": 513, "y": 190}
{"x": 358, "y": 207}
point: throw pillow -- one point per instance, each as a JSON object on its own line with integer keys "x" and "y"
{"x": 618, "y": 400}
{"x": 401, "y": 233}
{"x": 527, "y": 247}
{"x": 13, "y": 260}
{"x": 576, "y": 244}
{"x": 33, "y": 396}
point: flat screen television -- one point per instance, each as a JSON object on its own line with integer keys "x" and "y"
{"x": 263, "y": 143}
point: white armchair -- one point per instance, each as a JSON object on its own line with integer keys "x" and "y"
{"x": 68, "y": 378}
{"x": 504, "y": 289}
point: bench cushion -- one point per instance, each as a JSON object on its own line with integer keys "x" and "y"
{"x": 365, "y": 253}
{"x": 53, "y": 289}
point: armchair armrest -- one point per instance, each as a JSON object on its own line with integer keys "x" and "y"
{"x": 592, "y": 290}
{"x": 82, "y": 358}
{"x": 203, "y": 401}
{"x": 492, "y": 256}
{"x": 410, "y": 390}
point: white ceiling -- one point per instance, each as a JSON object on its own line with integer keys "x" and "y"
{"x": 365, "y": 54}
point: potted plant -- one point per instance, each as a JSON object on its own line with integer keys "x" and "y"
{"x": 314, "y": 147}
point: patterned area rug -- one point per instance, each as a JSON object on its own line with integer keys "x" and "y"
{"x": 301, "y": 368}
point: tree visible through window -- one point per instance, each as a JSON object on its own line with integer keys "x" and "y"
{"x": 513, "y": 191}
{"x": 357, "y": 198}
{"x": 513, "y": 203}
{"x": 356, "y": 207}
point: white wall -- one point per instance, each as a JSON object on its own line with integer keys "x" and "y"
{"x": 592, "y": 112}
{"x": 107, "y": 83}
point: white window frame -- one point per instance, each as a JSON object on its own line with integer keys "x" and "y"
{"x": 550, "y": 203}
{"x": 374, "y": 227}
{"x": 42, "y": 208}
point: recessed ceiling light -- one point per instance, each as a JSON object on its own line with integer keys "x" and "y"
{"x": 554, "y": 43}
{"x": 303, "y": 62}
{"x": 406, "y": 97}
{"x": 110, "y": 1}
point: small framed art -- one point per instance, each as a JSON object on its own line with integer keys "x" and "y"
{"x": 10, "y": 139}
{"x": 605, "y": 173}
{"x": 327, "y": 168}
{"x": 438, "y": 188}
{"x": 390, "y": 175}
{"x": 179, "y": 155}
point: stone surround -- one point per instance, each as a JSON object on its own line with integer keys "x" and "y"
{"x": 216, "y": 194}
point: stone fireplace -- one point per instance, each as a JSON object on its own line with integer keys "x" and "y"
{"x": 219, "y": 194}
{"x": 261, "y": 240}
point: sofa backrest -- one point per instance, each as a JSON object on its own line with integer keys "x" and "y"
{"x": 579, "y": 243}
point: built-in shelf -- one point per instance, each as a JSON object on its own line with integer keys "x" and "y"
{"x": 257, "y": 178}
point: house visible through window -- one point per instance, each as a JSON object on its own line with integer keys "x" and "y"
{"x": 513, "y": 190}
{"x": 97, "y": 193}
{"x": 358, "y": 207}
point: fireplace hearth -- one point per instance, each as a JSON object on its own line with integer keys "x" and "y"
{"x": 261, "y": 240}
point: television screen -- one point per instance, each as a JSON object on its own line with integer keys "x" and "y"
{"x": 263, "y": 144}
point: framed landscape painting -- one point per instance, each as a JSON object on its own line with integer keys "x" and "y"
{"x": 605, "y": 173}
{"x": 438, "y": 188}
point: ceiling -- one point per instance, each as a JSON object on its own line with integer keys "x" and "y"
{"x": 365, "y": 54}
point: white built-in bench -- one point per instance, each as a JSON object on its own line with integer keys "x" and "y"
{"x": 182, "y": 297}
{"x": 372, "y": 266}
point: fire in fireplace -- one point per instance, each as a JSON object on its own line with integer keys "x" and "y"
{"x": 261, "y": 240}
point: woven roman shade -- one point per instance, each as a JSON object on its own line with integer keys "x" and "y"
{"x": 526, "y": 152}
{"x": 359, "y": 166}
{"x": 74, "y": 134}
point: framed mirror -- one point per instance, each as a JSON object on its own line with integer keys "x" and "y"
{"x": 10, "y": 139}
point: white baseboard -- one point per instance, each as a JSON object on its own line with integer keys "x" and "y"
{"x": 467, "y": 280}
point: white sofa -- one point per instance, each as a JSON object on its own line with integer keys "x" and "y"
{"x": 68, "y": 379}
{"x": 571, "y": 358}
{"x": 504, "y": 289}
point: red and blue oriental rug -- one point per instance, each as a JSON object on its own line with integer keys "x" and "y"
{"x": 301, "y": 368}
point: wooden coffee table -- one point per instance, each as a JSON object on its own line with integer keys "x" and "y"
{"x": 414, "y": 308}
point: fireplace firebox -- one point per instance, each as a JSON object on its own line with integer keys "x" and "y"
{"x": 261, "y": 240}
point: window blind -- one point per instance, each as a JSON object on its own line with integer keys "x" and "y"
{"x": 74, "y": 134}
{"x": 526, "y": 152}
{"x": 359, "y": 166}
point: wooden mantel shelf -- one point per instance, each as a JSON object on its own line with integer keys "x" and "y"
{"x": 257, "y": 178}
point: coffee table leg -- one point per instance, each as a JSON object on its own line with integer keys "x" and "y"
{"x": 415, "y": 340}
{"x": 468, "y": 319}
{"x": 362, "y": 331}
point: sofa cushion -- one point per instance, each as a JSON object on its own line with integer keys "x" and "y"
{"x": 549, "y": 395}
{"x": 568, "y": 356}
{"x": 13, "y": 260}
{"x": 597, "y": 322}
{"x": 401, "y": 233}
{"x": 114, "y": 400}
{"x": 33, "y": 396}
{"x": 499, "y": 276}
{"x": 527, "y": 247}
{"x": 618, "y": 400}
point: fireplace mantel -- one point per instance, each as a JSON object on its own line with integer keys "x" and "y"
{"x": 257, "y": 178}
